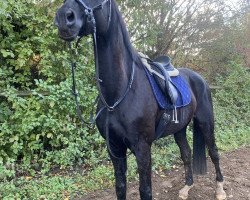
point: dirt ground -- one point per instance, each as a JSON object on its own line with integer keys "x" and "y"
{"x": 235, "y": 168}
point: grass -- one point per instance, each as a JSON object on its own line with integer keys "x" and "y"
{"x": 74, "y": 184}
{"x": 232, "y": 139}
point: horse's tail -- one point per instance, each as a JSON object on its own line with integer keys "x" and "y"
{"x": 199, "y": 150}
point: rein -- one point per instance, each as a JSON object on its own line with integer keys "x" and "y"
{"x": 110, "y": 108}
{"x": 131, "y": 80}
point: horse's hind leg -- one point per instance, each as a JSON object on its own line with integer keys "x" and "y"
{"x": 181, "y": 140}
{"x": 204, "y": 124}
{"x": 213, "y": 153}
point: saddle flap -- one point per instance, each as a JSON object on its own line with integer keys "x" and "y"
{"x": 165, "y": 84}
{"x": 179, "y": 83}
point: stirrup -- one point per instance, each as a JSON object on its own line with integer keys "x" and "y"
{"x": 175, "y": 115}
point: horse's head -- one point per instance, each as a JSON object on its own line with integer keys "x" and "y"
{"x": 81, "y": 17}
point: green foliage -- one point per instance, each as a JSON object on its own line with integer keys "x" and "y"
{"x": 7, "y": 171}
{"x": 232, "y": 101}
{"x": 55, "y": 187}
{"x": 232, "y": 108}
{"x": 164, "y": 153}
{"x": 233, "y": 139}
{"x": 41, "y": 129}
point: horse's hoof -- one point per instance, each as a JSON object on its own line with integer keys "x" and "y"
{"x": 183, "y": 193}
{"x": 182, "y": 196}
{"x": 220, "y": 193}
{"x": 221, "y": 196}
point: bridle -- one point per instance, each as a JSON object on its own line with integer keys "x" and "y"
{"x": 89, "y": 12}
{"x": 90, "y": 19}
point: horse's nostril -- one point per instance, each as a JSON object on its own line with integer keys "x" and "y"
{"x": 70, "y": 17}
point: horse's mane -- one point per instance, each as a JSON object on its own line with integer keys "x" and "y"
{"x": 133, "y": 53}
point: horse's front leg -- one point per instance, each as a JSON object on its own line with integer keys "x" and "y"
{"x": 120, "y": 169}
{"x": 143, "y": 158}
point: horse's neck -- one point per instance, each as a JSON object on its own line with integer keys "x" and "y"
{"x": 115, "y": 62}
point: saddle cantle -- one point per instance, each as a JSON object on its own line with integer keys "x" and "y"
{"x": 165, "y": 61}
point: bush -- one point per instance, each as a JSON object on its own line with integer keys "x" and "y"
{"x": 41, "y": 128}
{"x": 232, "y": 101}
{"x": 232, "y": 108}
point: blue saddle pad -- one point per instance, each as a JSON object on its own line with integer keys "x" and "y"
{"x": 184, "y": 94}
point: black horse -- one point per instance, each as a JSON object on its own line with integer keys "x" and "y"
{"x": 131, "y": 112}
